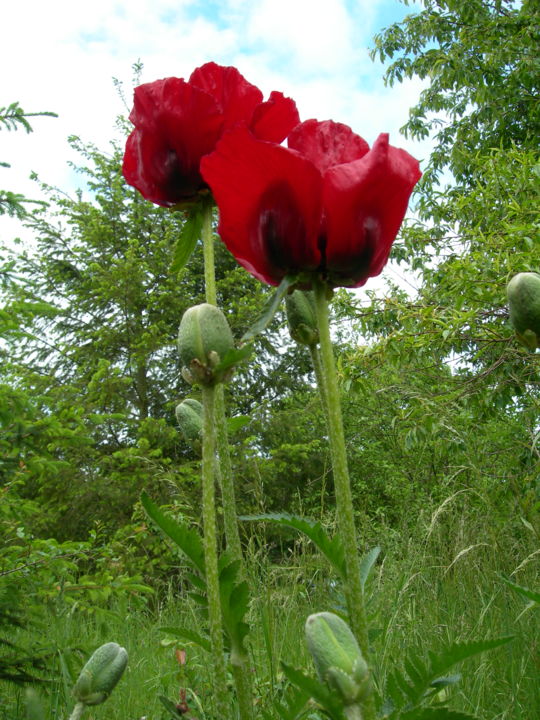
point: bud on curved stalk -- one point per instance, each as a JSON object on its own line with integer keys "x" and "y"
{"x": 338, "y": 659}
{"x": 204, "y": 338}
{"x": 100, "y": 675}
{"x": 189, "y": 414}
{"x": 523, "y": 293}
{"x": 302, "y": 318}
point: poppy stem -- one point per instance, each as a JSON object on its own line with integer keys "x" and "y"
{"x": 232, "y": 534}
{"x": 210, "y": 552}
{"x": 319, "y": 377}
{"x": 230, "y": 517}
{"x": 344, "y": 505}
{"x": 208, "y": 254}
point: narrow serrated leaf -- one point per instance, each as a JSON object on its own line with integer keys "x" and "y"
{"x": 189, "y": 234}
{"x": 415, "y": 673}
{"x": 295, "y": 702}
{"x": 457, "y": 652}
{"x": 187, "y": 539}
{"x": 233, "y": 357}
{"x": 329, "y": 701}
{"x": 196, "y": 580}
{"x": 367, "y": 563}
{"x": 270, "y": 308}
{"x": 401, "y": 682}
{"x": 331, "y": 548}
{"x": 442, "y": 682}
{"x": 524, "y": 591}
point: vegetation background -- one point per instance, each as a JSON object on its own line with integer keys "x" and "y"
{"x": 440, "y": 405}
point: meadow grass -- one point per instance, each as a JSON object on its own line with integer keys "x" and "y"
{"x": 437, "y": 581}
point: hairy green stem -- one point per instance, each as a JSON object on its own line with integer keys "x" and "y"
{"x": 211, "y": 553}
{"x": 77, "y": 711}
{"x": 242, "y": 679}
{"x": 244, "y": 693}
{"x": 344, "y": 505}
{"x": 208, "y": 254}
{"x": 319, "y": 376}
{"x": 230, "y": 518}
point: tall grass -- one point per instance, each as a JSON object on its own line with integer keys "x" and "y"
{"x": 438, "y": 581}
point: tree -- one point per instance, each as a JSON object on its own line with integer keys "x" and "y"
{"x": 469, "y": 237}
{"x": 481, "y": 61}
{"x": 14, "y": 117}
{"x": 94, "y": 310}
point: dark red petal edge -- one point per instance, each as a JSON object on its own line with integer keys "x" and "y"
{"x": 256, "y": 182}
{"x": 365, "y": 202}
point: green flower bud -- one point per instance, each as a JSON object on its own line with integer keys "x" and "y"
{"x": 337, "y": 657}
{"x": 523, "y": 293}
{"x": 100, "y": 674}
{"x": 189, "y": 417}
{"x": 204, "y": 338}
{"x": 301, "y": 317}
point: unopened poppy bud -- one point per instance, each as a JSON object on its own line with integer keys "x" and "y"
{"x": 100, "y": 675}
{"x": 204, "y": 338}
{"x": 337, "y": 657}
{"x": 523, "y": 293}
{"x": 301, "y": 317}
{"x": 189, "y": 417}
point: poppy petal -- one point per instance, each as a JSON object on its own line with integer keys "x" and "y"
{"x": 327, "y": 143}
{"x": 152, "y": 167}
{"x": 274, "y": 119}
{"x": 269, "y": 199}
{"x": 365, "y": 202}
{"x": 235, "y": 97}
{"x": 181, "y": 123}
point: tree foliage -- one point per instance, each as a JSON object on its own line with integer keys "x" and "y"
{"x": 13, "y": 117}
{"x": 480, "y": 62}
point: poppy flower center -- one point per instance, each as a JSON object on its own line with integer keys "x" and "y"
{"x": 280, "y": 228}
{"x": 355, "y": 261}
{"x": 180, "y": 182}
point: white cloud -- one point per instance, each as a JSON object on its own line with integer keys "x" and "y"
{"x": 63, "y": 56}
{"x": 312, "y": 37}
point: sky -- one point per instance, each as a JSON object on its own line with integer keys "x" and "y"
{"x": 62, "y": 56}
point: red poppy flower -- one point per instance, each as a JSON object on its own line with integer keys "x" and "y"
{"x": 326, "y": 204}
{"x": 178, "y": 122}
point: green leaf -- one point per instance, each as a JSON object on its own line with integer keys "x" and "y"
{"x": 187, "y": 539}
{"x": 524, "y": 591}
{"x": 367, "y": 563}
{"x": 331, "y": 548}
{"x": 295, "y": 700}
{"x": 196, "y": 580}
{"x": 442, "y": 662}
{"x": 234, "y": 598}
{"x": 232, "y": 357}
{"x": 190, "y": 233}
{"x": 319, "y": 692}
{"x": 443, "y": 682}
{"x": 188, "y": 634}
{"x": 426, "y": 679}
{"x": 270, "y": 308}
